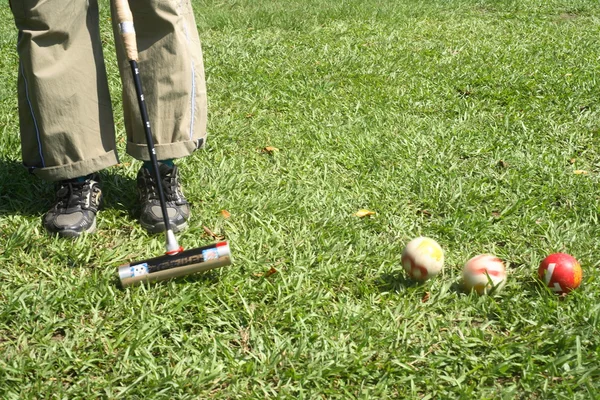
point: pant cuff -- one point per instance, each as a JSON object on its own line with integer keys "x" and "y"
{"x": 77, "y": 169}
{"x": 164, "y": 151}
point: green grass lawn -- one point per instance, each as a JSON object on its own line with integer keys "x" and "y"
{"x": 462, "y": 120}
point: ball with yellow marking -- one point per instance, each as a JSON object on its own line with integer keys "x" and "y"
{"x": 484, "y": 273}
{"x": 422, "y": 258}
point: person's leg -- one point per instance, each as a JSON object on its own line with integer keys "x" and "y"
{"x": 172, "y": 74}
{"x": 66, "y": 121}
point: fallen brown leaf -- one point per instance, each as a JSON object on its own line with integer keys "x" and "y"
{"x": 426, "y": 213}
{"x": 270, "y": 149}
{"x": 425, "y": 297}
{"x": 225, "y": 214}
{"x": 562, "y": 296}
{"x": 245, "y": 339}
{"x": 212, "y": 234}
{"x": 267, "y": 274}
{"x": 503, "y": 164}
{"x": 364, "y": 213}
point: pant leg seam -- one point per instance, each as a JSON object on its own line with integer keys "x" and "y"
{"x": 35, "y": 124}
{"x": 193, "y": 94}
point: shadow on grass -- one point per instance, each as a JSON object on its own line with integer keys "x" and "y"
{"x": 535, "y": 288}
{"x": 458, "y": 287}
{"x": 119, "y": 192}
{"x": 395, "y": 282}
{"x": 206, "y": 278}
{"x": 21, "y": 192}
{"x": 26, "y": 194}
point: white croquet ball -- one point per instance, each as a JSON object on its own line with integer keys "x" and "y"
{"x": 483, "y": 273}
{"x": 422, "y": 258}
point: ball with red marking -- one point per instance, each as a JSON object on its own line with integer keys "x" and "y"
{"x": 560, "y": 272}
{"x": 484, "y": 273}
{"x": 422, "y": 258}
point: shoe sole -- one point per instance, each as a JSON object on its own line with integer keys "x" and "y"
{"x": 160, "y": 227}
{"x": 69, "y": 233}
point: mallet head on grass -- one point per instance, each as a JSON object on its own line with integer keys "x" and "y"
{"x": 173, "y": 266}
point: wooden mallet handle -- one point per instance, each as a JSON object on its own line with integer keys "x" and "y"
{"x": 125, "y": 21}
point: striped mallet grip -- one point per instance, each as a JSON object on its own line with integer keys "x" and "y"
{"x": 125, "y": 22}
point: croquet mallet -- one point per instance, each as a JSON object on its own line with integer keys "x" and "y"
{"x": 176, "y": 262}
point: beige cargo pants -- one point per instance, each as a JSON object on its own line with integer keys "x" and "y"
{"x": 66, "y": 120}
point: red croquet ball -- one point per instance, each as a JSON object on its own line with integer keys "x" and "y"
{"x": 560, "y": 272}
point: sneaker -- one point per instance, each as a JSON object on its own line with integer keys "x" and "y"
{"x": 76, "y": 206}
{"x": 178, "y": 209}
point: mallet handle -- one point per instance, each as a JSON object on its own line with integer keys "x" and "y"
{"x": 172, "y": 245}
{"x": 125, "y": 21}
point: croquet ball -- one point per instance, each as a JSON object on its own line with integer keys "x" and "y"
{"x": 484, "y": 273}
{"x": 422, "y": 258}
{"x": 560, "y": 272}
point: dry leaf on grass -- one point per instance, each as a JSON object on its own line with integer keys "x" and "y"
{"x": 245, "y": 339}
{"x": 266, "y": 274}
{"x": 270, "y": 149}
{"x": 580, "y": 172}
{"x": 425, "y": 298}
{"x": 212, "y": 234}
{"x": 225, "y": 214}
{"x": 426, "y": 213}
{"x": 270, "y": 272}
{"x": 364, "y": 213}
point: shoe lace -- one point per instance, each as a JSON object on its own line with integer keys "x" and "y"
{"x": 72, "y": 194}
{"x": 169, "y": 185}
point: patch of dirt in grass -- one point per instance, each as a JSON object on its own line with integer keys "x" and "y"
{"x": 567, "y": 16}
{"x": 59, "y": 334}
{"x": 484, "y": 9}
